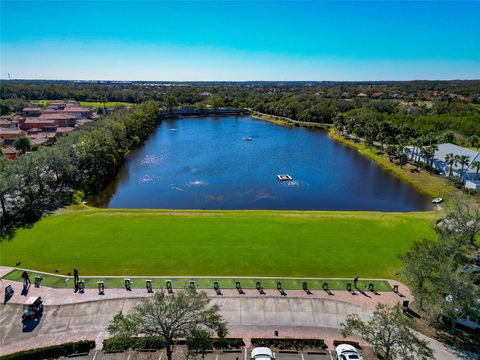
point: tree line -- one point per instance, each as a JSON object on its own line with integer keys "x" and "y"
{"x": 441, "y": 273}
{"x": 453, "y": 110}
{"x": 82, "y": 162}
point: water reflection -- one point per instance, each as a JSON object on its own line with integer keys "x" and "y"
{"x": 207, "y": 163}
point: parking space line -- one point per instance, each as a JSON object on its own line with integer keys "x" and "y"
{"x": 245, "y": 349}
{"x": 94, "y": 356}
{"x": 302, "y": 356}
{"x": 330, "y": 353}
{"x": 128, "y": 357}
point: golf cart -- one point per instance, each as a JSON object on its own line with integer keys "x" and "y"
{"x": 32, "y": 307}
{"x": 262, "y": 353}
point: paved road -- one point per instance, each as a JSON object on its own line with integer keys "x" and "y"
{"x": 247, "y": 317}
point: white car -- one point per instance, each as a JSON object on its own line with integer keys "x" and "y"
{"x": 262, "y": 353}
{"x": 347, "y": 352}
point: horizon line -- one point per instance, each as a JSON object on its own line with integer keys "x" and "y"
{"x": 238, "y": 81}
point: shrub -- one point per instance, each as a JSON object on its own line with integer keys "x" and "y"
{"x": 226, "y": 343}
{"x": 52, "y": 352}
{"x": 288, "y": 344}
{"x": 77, "y": 197}
{"x": 119, "y": 343}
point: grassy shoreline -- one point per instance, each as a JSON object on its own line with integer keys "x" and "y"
{"x": 284, "y": 122}
{"x": 433, "y": 186}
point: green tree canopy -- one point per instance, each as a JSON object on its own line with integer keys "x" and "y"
{"x": 183, "y": 314}
{"x": 390, "y": 334}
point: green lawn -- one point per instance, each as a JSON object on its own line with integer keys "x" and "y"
{"x": 55, "y": 281}
{"x": 218, "y": 243}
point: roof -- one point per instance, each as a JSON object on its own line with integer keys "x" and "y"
{"x": 447, "y": 148}
{"x": 40, "y": 140}
{"x": 7, "y": 149}
{"x": 31, "y": 109}
{"x": 39, "y": 120}
{"x": 11, "y": 131}
{"x": 444, "y": 149}
{"x": 65, "y": 129}
{"x": 31, "y": 300}
{"x": 77, "y": 109}
{"x": 57, "y": 116}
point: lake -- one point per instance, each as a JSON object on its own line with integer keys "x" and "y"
{"x": 205, "y": 163}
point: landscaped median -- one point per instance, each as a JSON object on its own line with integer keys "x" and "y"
{"x": 314, "y": 244}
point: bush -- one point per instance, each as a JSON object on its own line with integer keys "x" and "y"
{"x": 77, "y": 197}
{"x": 289, "y": 344}
{"x": 353, "y": 343}
{"x": 224, "y": 343}
{"x": 52, "y": 352}
{"x": 118, "y": 343}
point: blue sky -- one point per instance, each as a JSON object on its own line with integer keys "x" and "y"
{"x": 262, "y": 40}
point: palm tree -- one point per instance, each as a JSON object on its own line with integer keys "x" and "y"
{"x": 476, "y": 165}
{"x": 475, "y": 141}
{"x": 425, "y": 155}
{"x": 400, "y": 154}
{"x": 22, "y": 144}
{"x": 391, "y": 151}
{"x": 451, "y": 161}
{"x": 432, "y": 149}
{"x": 463, "y": 161}
{"x": 418, "y": 143}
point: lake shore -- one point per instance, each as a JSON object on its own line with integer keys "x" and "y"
{"x": 428, "y": 184}
{"x": 279, "y": 120}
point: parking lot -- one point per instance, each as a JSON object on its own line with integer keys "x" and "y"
{"x": 160, "y": 355}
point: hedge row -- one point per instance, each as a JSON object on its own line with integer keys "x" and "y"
{"x": 289, "y": 344}
{"x": 115, "y": 344}
{"x": 52, "y": 352}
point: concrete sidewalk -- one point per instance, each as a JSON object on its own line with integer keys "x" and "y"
{"x": 248, "y": 317}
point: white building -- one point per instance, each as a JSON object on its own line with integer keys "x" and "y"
{"x": 469, "y": 172}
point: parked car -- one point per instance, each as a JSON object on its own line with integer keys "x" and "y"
{"x": 262, "y": 353}
{"x": 347, "y": 352}
{"x": 32, "y": 307}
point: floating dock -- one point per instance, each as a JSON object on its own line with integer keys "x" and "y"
{"x": 284, "y": 177}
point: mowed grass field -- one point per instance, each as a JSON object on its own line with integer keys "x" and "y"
{"x": 218, "y": 243}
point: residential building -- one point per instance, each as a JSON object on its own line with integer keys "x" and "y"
{"x": 39, "y": 123}
{"x": 61, "y": 119}
{"x": 32, "y": 112}
{"x": 465, "y": 173}
{"x": 8, "y": 136}
{"x": 8, "y": 123}
{"x": 9, "y": 152}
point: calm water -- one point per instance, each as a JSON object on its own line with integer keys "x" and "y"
{"x": 204, "y": 163}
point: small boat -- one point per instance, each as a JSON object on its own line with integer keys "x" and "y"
{"x": 284, "y": 177}
{"x": 437, "y": 201}
{"x": 247, "y": 139}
